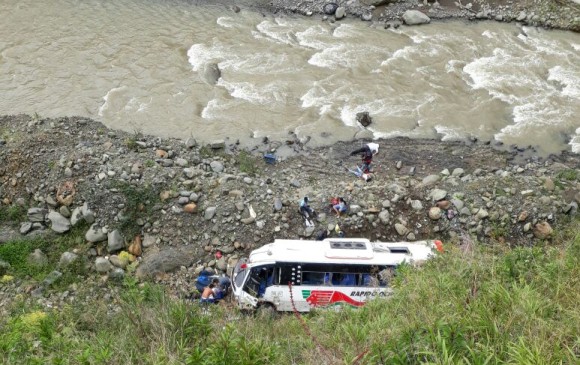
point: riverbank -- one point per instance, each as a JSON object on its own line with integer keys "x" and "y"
{"x": 558, "y": 14}
{"x": 163, "y": 208}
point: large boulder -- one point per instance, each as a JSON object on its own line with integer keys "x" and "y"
{"x": 210, "y": 73}
{"x": 364, "y": 119}
{"x": 59, "y": 223}
{"x": 164, "y": 261}
{"x": 415, "y": 17}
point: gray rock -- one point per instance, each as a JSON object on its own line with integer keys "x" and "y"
{"x": 88, "y": 215}
{"x": 117, "y": 262}
{"x": 384, "y": 216}
{"x": 430, "y": 180}
{"x": 570, "y": 208}
{"x": 457, "y": 203}
{"x": 59, "y": 224}
{"x": 190, "y": 143}
{"x": 149, "y": 240}
{"x": 117, "y": 274}
{"x": 437, "y": 194}
{"x": 37, "y": 258}
{"x": 401, "y": 229}
{"x": 25, "y": 227}
{"x": 51, "y": 278}
{"x": 295, "y": 183}
{"x": 216, "y": 166}
{"x": 209, "y": 213}
{"x": 64, "y": 211}
{"x": 36, "y": 215}
{"x": 115, "y": 241}
{"x": 411, "y": 236}
{"x": 210, "y": 73}
{"x": 340, "y": 12}
{"x": 364, "y": 119}
{"x": 102, "y": 265}
{"x": 277, "y": 204}
{"x": 415, "y": 17}
{"x": 181, "y": 162}
{"x": 482, "y": 214}
{"x": 458, "y": 172}
{"x": 95, "y": 234}
{"x": 416, "y": 205}
{"x": 164, "y": 261}
{"x": 67, "y": 258}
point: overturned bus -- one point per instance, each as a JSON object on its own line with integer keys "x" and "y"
{"x": 289, "y": 275}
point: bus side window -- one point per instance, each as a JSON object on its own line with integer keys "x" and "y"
{"x": 312, "y": 278}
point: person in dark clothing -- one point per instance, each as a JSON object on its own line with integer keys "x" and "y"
{"x": 368, "y": 151}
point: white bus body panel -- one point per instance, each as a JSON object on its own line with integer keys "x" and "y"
{"x": 347, "y": 253}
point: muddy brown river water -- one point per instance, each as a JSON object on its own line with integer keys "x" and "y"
{"x": 135, "y": 65}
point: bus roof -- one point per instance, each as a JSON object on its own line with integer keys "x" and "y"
{"x": 354, "y": 251}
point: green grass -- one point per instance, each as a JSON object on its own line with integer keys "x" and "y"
{"x": 16, "y": 254}
{"x": 568, "y": 174}
{"x": 478, "y": 304}
{"x": 13, "y": 214}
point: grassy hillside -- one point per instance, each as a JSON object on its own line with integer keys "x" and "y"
{"x": 472, "y": 305}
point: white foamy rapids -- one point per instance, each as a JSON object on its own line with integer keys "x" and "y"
{"x": 108, "y": 98}
{"x": 331, "y": 57}
{"x": 376, "y": 107}
{"x": 348, "y": 31}
{"x": 575, "y": 142}
{"x": 540, "y": 43}
{"x": 259, "y": 63}
{"x": 489, "y": 34}
{"x": 537, "y": 115}
{"x": 138, "y": 106}
{"x": 495, "y": 75}
{"x": 449, "y": 133}
{"x": 345, "y": 55}
{"x": 576, "y": 46}
{"x": 316, "y": 96}
{"x": 200, "y": 54}
{"x": 568, "y": 78}
{"x": 278, "y": 32}
{"x": 265, "y": 94}
{"x": 313, "y": 37}
{"x": 453, "y": 66}
{"x": 225, "y": 21}
{"x": 214, "y": 109}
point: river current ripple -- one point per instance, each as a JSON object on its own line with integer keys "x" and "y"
{"x": 135, "y": 65}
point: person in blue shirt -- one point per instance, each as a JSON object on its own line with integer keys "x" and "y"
{"x": 340, "y": 207}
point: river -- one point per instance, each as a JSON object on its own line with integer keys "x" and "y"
{"x": 135, "y": 65}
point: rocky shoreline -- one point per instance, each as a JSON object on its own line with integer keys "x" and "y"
{"x": 164, "y": 208}
{"x": 558, "y": 14}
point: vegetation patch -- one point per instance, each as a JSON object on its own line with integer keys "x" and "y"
{"x": 16, "y": 253}
{"x": 139, "y": 202}
{"x": 13, "y": 214}
{"x": 247, "y": 163}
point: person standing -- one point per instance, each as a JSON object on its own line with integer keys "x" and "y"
{"x": 367, "y": 153}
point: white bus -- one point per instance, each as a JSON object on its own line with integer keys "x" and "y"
{"x": 301, "y": 275}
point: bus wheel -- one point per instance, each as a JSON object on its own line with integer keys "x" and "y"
{"x": 266, "y": 311}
